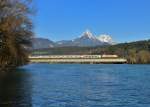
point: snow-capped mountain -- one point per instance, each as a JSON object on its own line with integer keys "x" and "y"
{"x": 105, "y": 38}
{"x": 87, "y": 39}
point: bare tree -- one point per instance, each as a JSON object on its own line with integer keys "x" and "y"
{"x": 15, "y": 32}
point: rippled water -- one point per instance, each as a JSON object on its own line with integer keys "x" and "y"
{"x": 76, "y": 85}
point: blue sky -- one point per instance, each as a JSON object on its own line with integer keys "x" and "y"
{"x": 124, "y": 20}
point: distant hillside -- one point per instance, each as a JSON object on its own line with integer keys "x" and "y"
{"x": 41, "y": 43}
{"x": 122, "y": 47}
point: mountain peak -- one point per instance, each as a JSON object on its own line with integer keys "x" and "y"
{"x": 87, "y": 34}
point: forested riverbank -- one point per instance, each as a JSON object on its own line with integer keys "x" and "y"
{"x": 15, "y": 32}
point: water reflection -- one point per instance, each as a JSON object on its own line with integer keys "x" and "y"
{"x": 15, "y": 89}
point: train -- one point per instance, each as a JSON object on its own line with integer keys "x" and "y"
{"x": 75, "y": 56}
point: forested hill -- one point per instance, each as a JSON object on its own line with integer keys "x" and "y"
{"x": 139, "y": 45}
{"x": 122, "y": 48}
{"x": 135, "y": 52}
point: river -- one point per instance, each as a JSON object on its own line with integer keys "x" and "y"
{"x": 76, "y": 85}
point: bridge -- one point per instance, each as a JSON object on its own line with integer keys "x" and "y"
{"x": 90, "y": 59}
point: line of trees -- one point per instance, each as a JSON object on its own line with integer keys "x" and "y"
{"x": 15, "y": 32}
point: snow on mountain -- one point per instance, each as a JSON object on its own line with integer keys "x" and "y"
{"x": 88, "y": 34}
{"x": 105, "y": 38}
